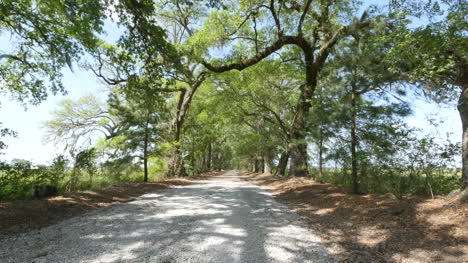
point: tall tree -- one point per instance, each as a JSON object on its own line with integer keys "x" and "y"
{"x": 141, "y": 111}
{"x": 368, "y": 87}
{"x": 434, "y": 56}
{"x": 266, "y": 27}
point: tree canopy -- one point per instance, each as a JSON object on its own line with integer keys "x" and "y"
{"x": 313, "y": 88}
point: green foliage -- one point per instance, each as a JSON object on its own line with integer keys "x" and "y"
{"x": 4, "y": 132}
{"x": 313, "y": 75}
{"x": 17, "y": 180}
{"x": 48, "y": 35}
{"x": 75, "y": 122}
{"x": 434, "y": 54}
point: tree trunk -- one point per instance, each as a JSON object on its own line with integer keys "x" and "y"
{"x": 298, "y": 145}
{"x": 145, "y": 167}
{"x": 283, "y": 163}
{"x": 320, "y": 179}
{"x": 267, "y": 164}
{"x": 298, "y": 166}
{"x": 354, "y": 164}
{"x": 208, "y": 158}
{"x": 261, "y": 165}
{"x": 203, "y": 163}
{"x": 256, "y": 165}
{"x": 145, "y": 153}
{"x": 219, "y": 162}
{"x": 463, "y": 111}
{"x": 176, "y": 162}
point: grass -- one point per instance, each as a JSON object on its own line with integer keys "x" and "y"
{"x": 19, "y": 184}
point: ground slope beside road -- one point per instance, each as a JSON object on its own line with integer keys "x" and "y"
{"x": 219, "y": 220}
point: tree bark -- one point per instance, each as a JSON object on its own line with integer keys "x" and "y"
{"x": 145, "y": 167}
{"x": 463, "y": 111}
{"x": 461, "y": 68}
{"x": 320, "y": 179}
{"x": 176, "y": 162}
{"x": 298, "y": 166}
{"x": 298, "y": 144}
{"x": 256, "y": 165}
{"x": 208, "y": 158}
{"x": 203, "y": 163}
{"x": 354, "y": 164}
{"x": 145, "y": 153}
{"x": 261, "y": 165}
{"x": 267, "y": 164}
{"x": 283, "y": 163}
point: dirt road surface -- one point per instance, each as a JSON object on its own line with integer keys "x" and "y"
{"x": 223, "y": 219}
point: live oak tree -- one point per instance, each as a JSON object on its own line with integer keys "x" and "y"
{"x": 78, "y": 122}
{"x": 179, "y": 18}
{"x": 262, "y": 28}
{"x": 266, "y": 105}
{"x": 147, "y": 50}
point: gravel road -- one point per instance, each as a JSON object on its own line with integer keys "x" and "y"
{"x": 219, "y": 220}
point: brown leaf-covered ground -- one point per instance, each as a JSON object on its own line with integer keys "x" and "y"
{"x": 26, "y": 215}
{"x": 376, "y": 228}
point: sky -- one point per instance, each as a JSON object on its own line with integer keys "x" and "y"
{"x": 29, "y": 144}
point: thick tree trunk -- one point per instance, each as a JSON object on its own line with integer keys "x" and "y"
{"x": 298, "y": 166}
{"x": 354, "y": 163}
{"x": 283, "y": 163}
{"x": 176, "y": 162}
{"x": 298, "y": 144}
{"x": 256, "y": 165}
{"x": 261, "y": 165}
{"x": 463, "y": 111}
{"x": 267, "y": 164}
{"x": 251, "y": 165}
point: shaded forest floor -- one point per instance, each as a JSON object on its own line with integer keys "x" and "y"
{"x": 376, "y": 228}
{"x": 25, "y": 215}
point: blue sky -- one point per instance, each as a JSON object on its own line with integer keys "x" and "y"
{"x": 29, "y": 144}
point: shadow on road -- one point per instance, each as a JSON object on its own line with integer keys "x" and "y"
{"x": 220, "y": 220}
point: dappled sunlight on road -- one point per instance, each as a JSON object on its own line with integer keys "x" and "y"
{"x": 219, "y": 220}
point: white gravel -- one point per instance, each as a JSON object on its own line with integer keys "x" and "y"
{"x": 219, "y": 220}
